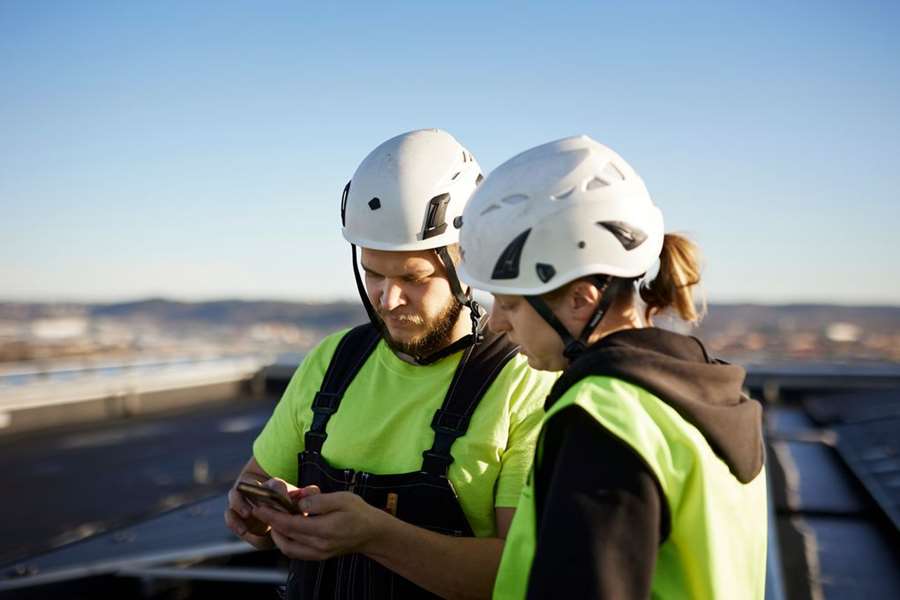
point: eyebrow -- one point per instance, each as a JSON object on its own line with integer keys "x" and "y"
{"x": 416, "y": 273}
{"x": 370, "y": 271}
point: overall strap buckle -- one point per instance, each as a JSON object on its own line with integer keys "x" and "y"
{"x": 324, "y": 405}
{"x": 314, "y": 440}
{"x": 436, "y": 463}
{"x": 447, "y": 426}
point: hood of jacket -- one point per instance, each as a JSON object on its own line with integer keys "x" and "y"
{"x": 677, "y": 369}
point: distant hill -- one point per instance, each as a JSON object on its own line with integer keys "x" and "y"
{"x": 221, "y": 312}
{"x": 237, "y": 312}
{"x": 738, "y": 332}
{"x": 325, "y": 314}
{"x": 800, "y": 316}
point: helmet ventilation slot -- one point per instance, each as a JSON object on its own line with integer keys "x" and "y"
{"x": 507, "y": 266}
{"x": 435, "y": 223}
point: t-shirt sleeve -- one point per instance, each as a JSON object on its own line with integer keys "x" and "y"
{"x": 526, "y": 414}
{"x": 281, "y": 440}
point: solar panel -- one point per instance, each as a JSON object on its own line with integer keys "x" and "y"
{"x": 191, "y": 533}
{"x": 871, "y": 450}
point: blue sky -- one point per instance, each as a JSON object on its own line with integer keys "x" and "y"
{"x": 198, "y": 150}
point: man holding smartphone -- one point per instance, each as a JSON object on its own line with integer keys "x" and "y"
{"x": 405, "y": 441}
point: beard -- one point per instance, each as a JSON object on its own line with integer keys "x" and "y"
{"x": 437, "y": 335}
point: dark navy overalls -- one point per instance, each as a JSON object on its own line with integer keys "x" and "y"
{"x": 424, "y": 498}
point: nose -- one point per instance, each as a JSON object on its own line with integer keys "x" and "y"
{"x": 498, "y": 321}
{"x": 391, "y": 295}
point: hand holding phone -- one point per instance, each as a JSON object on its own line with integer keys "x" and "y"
{"x": 256, "y": 494}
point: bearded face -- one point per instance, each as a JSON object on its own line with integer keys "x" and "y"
{"x": 411, "y": 294}
{"x": 434, "y": 333}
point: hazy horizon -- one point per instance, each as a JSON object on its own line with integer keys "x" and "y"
{"x": 298, "y": 300}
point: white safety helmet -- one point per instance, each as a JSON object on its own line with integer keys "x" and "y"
{"x": 555, "y": 213}
{"x": 409, "y": 193}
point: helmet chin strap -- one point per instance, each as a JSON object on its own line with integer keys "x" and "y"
{"x": 476, "y": 313}
{"x": 575, "y": 347}
{"x": 370, "y": 310}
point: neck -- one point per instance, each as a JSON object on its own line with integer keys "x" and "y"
{"x": 463, "y": 326}
{"x": 619, "y": 316}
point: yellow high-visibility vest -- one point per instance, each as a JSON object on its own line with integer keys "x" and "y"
{"x": 717, "y": 544}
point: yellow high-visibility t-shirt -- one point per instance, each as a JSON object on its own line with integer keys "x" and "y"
{"x": 383, "y": 426}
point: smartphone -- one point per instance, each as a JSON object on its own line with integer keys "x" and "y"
{"x": 257, "y": 494}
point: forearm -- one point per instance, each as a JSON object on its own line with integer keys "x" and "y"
{"x": 452, "y": 567}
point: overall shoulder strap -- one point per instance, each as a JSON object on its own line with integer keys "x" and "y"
{"x": 477, "y": 370}
{"x": 350, "y": 355}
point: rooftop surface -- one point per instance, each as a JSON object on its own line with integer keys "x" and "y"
{"x": 833, "y": 446}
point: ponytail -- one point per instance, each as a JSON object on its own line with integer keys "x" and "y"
{"x": 679, "y": 272}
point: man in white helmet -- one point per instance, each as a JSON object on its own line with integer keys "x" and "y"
{"x": 408, "y": 438}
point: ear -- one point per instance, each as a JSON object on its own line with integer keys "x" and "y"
{"x": 582, "y": 300}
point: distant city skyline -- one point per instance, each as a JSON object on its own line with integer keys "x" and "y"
{"x": 198, "y": 151}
